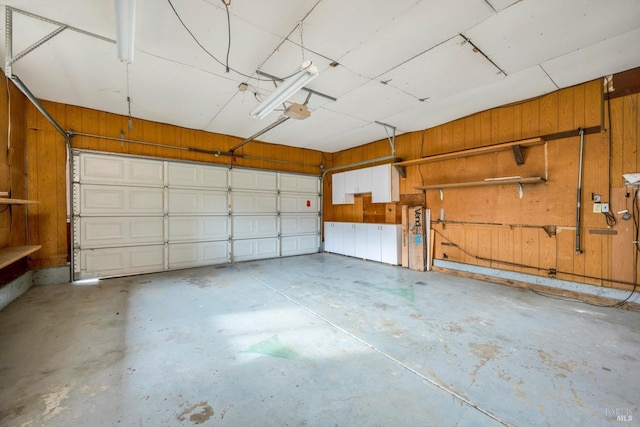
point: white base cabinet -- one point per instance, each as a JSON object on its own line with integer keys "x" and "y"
{"x": 374, "y": 242}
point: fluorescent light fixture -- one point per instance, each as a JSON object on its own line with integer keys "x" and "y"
{"x": 286, "y": 90}
{"x": 125, "y": 29}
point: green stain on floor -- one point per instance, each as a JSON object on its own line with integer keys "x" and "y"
{"x": 404, "y": 293}
{"x": 273, "y": 347}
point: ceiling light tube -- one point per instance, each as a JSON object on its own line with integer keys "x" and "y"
{"x": 286, "y": 90}
{"x": 125, "y": 29}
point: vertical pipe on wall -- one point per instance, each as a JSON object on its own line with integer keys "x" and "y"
{"x": 578, "y": 205}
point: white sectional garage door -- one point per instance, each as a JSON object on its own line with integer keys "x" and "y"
{"x": 135, "y": 215}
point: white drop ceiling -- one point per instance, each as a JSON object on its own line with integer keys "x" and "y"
{"x": 411, "y": 64}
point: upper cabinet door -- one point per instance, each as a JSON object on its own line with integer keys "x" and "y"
{"x": 386, "y": 184}
{"x": 338, "y": 194}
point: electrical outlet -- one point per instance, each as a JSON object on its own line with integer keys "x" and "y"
{"x": 596, "y": 197}
{"x": 597, "y": 207}
{"x": 604, "y": 207}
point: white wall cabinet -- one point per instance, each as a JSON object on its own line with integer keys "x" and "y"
{"x": 383, "y": 182}
{"x": 387, "y": 184}
{"x": 374, "y": 242}
{"x": 338, "y": 195}
{"x": 358, "y": 181}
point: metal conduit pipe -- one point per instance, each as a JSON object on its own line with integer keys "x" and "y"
{"x": 67, "y": 138}
{"x": 578, "y": 205}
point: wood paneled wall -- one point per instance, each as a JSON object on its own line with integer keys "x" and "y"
{"x": 488, "y": 226}
{"x": 12, "y": 165}
{"x": 492, "y": 226}
{"x": 46, "y": 153}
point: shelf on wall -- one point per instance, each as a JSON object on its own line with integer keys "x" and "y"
{"x": 12, "y": 254}
{"x": 486, "y": 182}
{"x": 515, "y": 146}
{"x": 7, "y": 201}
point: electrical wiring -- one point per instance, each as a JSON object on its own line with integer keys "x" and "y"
{"x": 205, "y": 50}
{"x": 226, "y": 6}
{"x": 513, "y": 264}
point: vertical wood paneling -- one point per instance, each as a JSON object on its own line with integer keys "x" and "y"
{"x": 566, "y": 108}
{"x": 593, "y": 94}
{"x": 530, "y": 119}
{"x": 549, "y": 114}
{"x": 565, "y": 250}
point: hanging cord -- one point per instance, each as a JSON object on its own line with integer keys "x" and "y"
{"x": 204, "y": 49}
{"x": 226, "y": 4}
{"x": 301, "y": 40}
{"x": 130, "y": 120}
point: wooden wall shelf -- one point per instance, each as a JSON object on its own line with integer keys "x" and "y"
{"x": 516, "y": 146}
{"x": 7, "y": 201}
{"x": 12, "y": 254}
{"x": 487, "y": 182}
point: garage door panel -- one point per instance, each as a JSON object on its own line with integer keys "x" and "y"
{"x": 246, "y": 250}
{"x": 299, "y": 203}
{"x": 118, "y": 200}
{"x": 190, "y": 228}
{"x": 247, "y": 203}
{"x": 106, "y": 262}
{"x": 96, "y": 232}
{"x": 246, "y": 179}
{"x": 254, "y": 226}
{"x": 95, "y": 168}
{"x": 292, "y": 183}
{"x": 299, "y": 245}
{"x": 125, "y": 208}
{"x": 299, "y": 224}
{"x": 188, "y": 175}
{"x": 186, "y": 201}
{"x": 183, "y": 255}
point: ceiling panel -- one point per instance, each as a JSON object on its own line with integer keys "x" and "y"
{"x": 278, "y": 17}
{"x": 372, "y": 101}
{"x": 420, "y": 28}
{"x": 587, "y": 64}
{"x": 313, "y": 132}
{"x": 355, "y": 137}
{"x": 532, "y": 32}
{"x": 430, "y": 74}
{"x": 515, "y": 87}
{"x": 336, "y": 27}
{"x": 502, "y": 4}
{"x": 165, "y": 37}
{"x": 189, "y": 102}
{"x": 94, "y": 81}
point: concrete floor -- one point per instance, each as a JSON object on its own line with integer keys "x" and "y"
{"x": 320, "y": 340}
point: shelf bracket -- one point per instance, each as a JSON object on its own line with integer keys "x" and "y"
{"x": 391, "y": 138}
{"x": 518, "y": 154}
{"x": 521, "y": 190}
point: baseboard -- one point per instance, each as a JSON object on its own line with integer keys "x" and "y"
{"x": 51, "y": 275}
{"x": 11, "y": 291}
{"x": 562, "y": 288}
